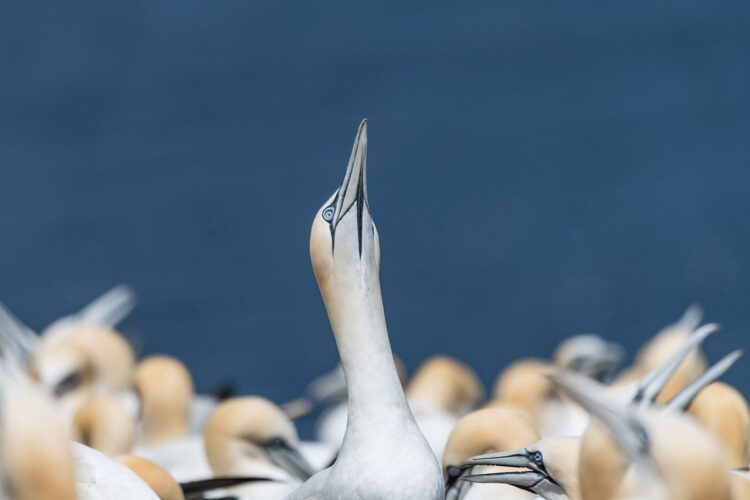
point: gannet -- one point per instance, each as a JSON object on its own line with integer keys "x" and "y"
{"x": 440, "y": 392}
{"x": 38, "y": 460}
{"x": 589, "y": 355}
{"x": 488, "y": 430}
{"x": 524, "y": 385}
{"x": 252, "y": 437}
{"x": 548, "y": 468}
{"x": 81, "y": 355}
{"x": 643, "y": 451}
{"x": 165, "y": 394}
{"x": 553, "y": 462}
{"x": 383, "y": 455}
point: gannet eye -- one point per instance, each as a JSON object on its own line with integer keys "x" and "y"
{"x": 328, "y": 214}
{"x": 538, "y": 457}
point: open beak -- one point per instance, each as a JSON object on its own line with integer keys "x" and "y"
{"x": 352, "y": 194}
{"x": 530, "y": 476}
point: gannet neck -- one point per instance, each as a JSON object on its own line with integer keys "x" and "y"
{"x": 359, "y": 327}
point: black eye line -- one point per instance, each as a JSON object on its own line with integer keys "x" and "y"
{"x": 68, "y": 383}
{"x": 360, "y": 200}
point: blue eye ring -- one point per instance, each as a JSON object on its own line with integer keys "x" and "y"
{"x": 538, "y": 457}
{"x": 328, "y": 214}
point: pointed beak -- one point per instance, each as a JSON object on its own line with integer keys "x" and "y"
{"x": 515, "y": 458}
{"x": 530, "y": 476}
{"x": 525, "y": 480}
{"x": 654, "y": 382}
{"x": 352, "y": 194}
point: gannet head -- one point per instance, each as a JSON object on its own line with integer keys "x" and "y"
{"x": 589, "y": 355}
{"x": 344, "y": 244}
{"x": 166, "y": 392}
{"x": 524, "y": 385}
{"x": 253, "y": 436}
{"x": 444, "y": 384}
{"x": 548, "y": 468}
{"x": 158, "y": 479}
{"x": 669, "y": 455}
{"x": 83, "y": 361}
{"x": 490, "y": 429}
{"x": 103, "y": 423}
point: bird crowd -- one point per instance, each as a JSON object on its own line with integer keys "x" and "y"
{"x": 82, "y": 418}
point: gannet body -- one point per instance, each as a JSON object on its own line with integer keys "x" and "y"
{"x": 159, "y": 480}
{"x": 383, "y": 455}
{"x": 99, "y": 476}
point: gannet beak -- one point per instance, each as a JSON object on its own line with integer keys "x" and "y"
{"x": 533, "y": 477}
{"x": 515, "y": 458}
{"x": 526, "y": 480}
{"x": 352, "y": 194}
{"x": 625, "y": 429}
{"x": 289, "y": 459}
{"x": 652, "y": 384}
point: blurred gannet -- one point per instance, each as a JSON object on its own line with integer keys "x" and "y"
{"x": 38, "y": 460}
{"x": 589, "y": 355}
{"x": 553, "y": 462}
{"x": 384, "y": 455}
{"x": 82, "y": 355}
{"x": 441, "y": 391}
{"x": 524, "y": 385}
{"x": 490, "y": 429}
{"x": 165, "y": 393}
{"x": 641, "y": 451}
{"x": 252, "y": 437}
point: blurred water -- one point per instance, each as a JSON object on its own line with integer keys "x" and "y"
{"x": 537, "y": 169}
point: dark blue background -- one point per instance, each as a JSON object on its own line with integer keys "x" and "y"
{"x": 537, "y": 169}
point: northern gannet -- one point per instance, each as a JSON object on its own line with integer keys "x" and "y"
{"x": 488, "y": 430}
{"x": 39, "y": 462}
{"x": 645, "y": 452}
{"x": 252, "y": 437}
{"x": 383, "y": 455}
{"x": 548, "y": 468}
{"x": 524, "y": 385}
{"x": 589, "y": 355}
